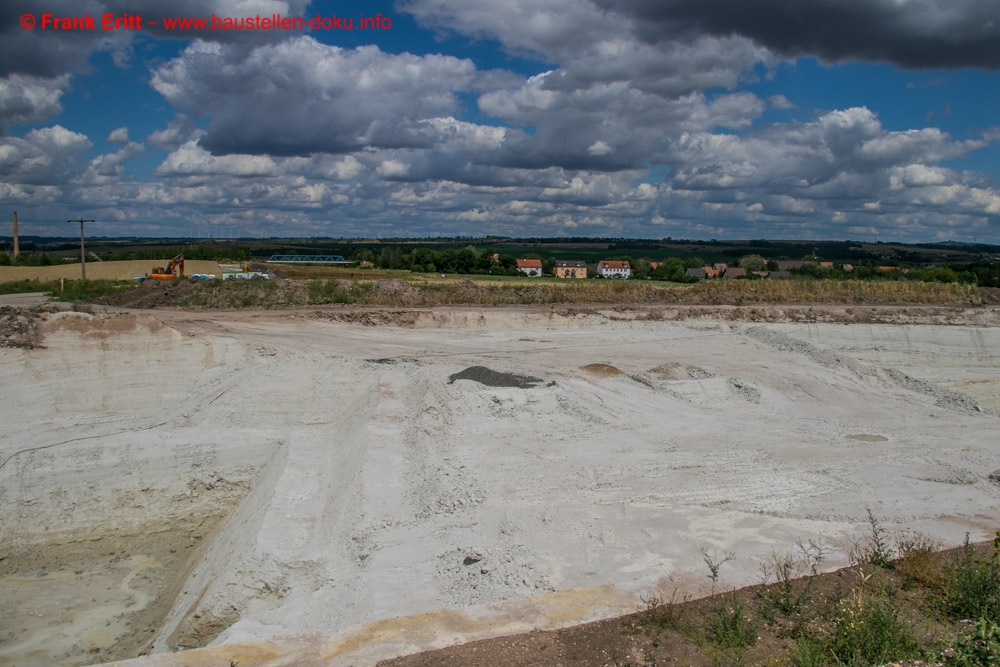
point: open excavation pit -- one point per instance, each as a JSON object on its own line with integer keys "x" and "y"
{"x": 286, "y": 488}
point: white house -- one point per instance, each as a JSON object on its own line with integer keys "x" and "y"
{"x": 608, "y": 269}
{"x": 530, "y": 267}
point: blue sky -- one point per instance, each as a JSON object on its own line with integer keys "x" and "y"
{"x": 639, "y": 118}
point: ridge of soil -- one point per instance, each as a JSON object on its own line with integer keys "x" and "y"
{"x": 671, "y": 632}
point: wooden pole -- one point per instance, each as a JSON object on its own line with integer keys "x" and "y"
{"x": 83, "y": 256}
{"x": 17, "y": 247}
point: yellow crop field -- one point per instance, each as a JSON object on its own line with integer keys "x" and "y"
{"x": 100, "y": 270}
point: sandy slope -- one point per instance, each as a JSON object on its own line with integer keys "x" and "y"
{"x": 373, "y": 505}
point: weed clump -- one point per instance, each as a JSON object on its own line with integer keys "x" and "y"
{"x": 917, "y": 562}
{"x": 730, "y": 627}
{"x": 875, "y": 550}
{"x": 972, "y": 588}
{"x": 788, "y": 571}
{"x": 867, "y": 631}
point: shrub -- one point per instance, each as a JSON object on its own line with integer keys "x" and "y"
{"x": 978, "y": 647}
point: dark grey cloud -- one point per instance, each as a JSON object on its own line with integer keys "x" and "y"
{"x": 914, "y": 34}
{"x": 300, "y": 97}
{"x": 28, "y": 99}
{"x": 50, "y": 53}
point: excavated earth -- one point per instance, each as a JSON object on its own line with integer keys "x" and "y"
{"x": 336, "y": 487}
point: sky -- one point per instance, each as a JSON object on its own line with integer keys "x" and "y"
{"x": 692, "y": 119}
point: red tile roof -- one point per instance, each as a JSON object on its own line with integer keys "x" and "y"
{"x": 529, "y": 263}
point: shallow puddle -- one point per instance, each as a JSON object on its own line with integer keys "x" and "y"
{"x": 867, "y": 437}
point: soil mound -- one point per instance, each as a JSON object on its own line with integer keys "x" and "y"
{"x": 151, "y": 294}
{"x": 604, "y": 370}
{"x": 397, "y": 288}
{"x": 990, "y": 296}
{"x": 257, "y": 292}
{"x": 471, "y": 292}
{"x": 18, "y": 328}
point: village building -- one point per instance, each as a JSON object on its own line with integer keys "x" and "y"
{"x": 571, "y": 269}
{"x": 530, "y": 267}
{"x": 614, "y": 269}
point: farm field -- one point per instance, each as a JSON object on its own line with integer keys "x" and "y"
{"x": 100, "y": 270}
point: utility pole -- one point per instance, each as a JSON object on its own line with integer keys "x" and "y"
{"x": 83, "y": 257}
{"x": 16, "y": 246}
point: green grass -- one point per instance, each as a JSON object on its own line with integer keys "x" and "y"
{"x": 72, "y": 290}
{"x": 88, "y": 290}
{"x": 26, "y": 286}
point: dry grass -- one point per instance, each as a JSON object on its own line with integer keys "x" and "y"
{"x": 532, "y": 292}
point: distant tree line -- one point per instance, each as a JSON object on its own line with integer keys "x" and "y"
{"x": 32, "y": 259}
{"x": 983, "y": 274}
{"x": 466, "y": 260}
{"x": 194, "y": 252}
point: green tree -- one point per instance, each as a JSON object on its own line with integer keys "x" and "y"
{"x": 641, "y": 268}
{"x": 753, "y": 263}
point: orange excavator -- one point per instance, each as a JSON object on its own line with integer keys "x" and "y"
{"x": 175, "y": 269}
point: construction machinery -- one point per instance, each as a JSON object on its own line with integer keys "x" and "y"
{"x": 175, "y": 269}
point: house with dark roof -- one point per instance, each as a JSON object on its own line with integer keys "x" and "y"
{"x": 571, "y": 269}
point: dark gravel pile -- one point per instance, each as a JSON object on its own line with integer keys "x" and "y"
{"x": 492, "y": 378}
{"x": 18, "y": 328}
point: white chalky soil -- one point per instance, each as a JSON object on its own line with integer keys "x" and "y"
{"x": 278, "y": 482}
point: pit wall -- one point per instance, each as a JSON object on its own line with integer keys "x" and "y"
{"x": 292, "y": 529}
{"x": 81, "y": 491}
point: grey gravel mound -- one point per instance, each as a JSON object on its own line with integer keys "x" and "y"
{"x": 492, "y": 378}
